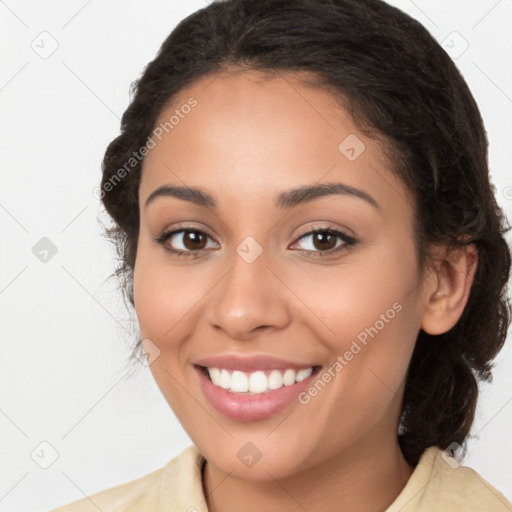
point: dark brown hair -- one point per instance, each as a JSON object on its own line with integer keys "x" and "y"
{"x": 401, "y": 87}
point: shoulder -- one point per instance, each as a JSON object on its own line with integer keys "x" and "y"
{"x": 440, "y": 483}
{"x": 177, "y": 485}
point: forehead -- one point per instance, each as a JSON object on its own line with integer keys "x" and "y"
{"x": 250, "y": 134}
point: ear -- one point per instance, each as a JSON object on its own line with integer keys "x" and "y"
{"x": 448, "y": 289}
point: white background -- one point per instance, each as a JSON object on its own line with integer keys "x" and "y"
{"x": 65, "y": 334}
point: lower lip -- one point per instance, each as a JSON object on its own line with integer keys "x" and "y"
{"x": 244, "y": 407}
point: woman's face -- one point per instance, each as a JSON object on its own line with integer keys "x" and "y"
{"x": 261, "y": 290}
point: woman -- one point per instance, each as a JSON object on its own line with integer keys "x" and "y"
{"x": 315, "y": 257}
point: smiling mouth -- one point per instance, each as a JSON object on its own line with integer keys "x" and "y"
{"x": 257, "y": 382}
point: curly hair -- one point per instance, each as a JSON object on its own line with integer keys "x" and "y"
{"x": 400, "y": 87}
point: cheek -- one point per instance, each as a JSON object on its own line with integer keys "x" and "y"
{"x": 164, "y": 303}
{"x": 369, "y": 292}
{"x": 164, "y": 295}
{"x": 370, "y": 321}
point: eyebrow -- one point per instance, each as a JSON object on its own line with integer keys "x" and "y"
{"x": 287, "y": 199}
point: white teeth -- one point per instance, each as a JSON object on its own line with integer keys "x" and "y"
{"x": 239, "y": 382}
{"x": 215, "y": 376}
{"x": 256, "y": 382}
{"x": 225, "y": 379}
{"x": 275, "y": 379}
{"x": 303, "y": 374}
{"x": 289, "y": 377}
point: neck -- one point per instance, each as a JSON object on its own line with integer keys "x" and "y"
{"x": 366, "y": 481}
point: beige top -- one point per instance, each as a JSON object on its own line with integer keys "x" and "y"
{"x": 435, "y": 486}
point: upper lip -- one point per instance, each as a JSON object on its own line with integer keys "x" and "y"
{"x": 250, "y": 363}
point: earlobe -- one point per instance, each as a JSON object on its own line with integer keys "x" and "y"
{"x": 447, "y": 299}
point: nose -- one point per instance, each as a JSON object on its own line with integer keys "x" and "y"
{"x": 249, "y": 299}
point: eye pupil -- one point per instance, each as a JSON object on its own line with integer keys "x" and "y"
{"x": 323, "y": 241}
{"x": 193, "y": 240}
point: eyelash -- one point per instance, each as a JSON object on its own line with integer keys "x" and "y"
{"x": 348, "y": 242}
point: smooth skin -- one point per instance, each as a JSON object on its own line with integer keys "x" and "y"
{"x": 248, "y": 140}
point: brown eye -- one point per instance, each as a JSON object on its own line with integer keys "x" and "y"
{"x": 320, "y": 242}
{"x": 186, "y": 242}
{"x": 194, "y": 240}
{"x": 323, "y": 240}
